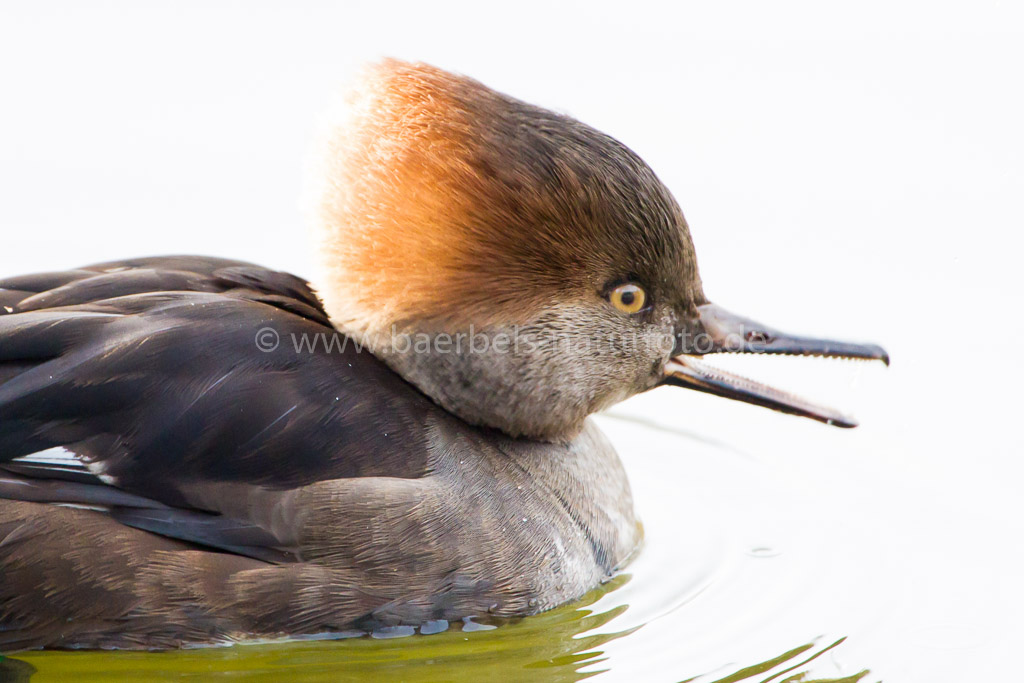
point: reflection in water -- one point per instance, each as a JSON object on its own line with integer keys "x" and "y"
{"x": 15, "y": 670}
{"x": 783, "y": 665}
{"x": 555, "y": 646}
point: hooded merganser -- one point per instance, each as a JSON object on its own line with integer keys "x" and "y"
{"x": 196, "y": 450}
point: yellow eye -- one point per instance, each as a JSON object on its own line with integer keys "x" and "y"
{"x": 628, "y": 298}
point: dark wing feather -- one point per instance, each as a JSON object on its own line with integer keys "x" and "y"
{"x": 149, "y": 370}
{"x": 212, "y": 531}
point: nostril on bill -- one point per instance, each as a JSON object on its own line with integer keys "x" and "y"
{"x": 757, "y": 337}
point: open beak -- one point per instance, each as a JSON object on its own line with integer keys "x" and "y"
{"x": 719, "y": 331}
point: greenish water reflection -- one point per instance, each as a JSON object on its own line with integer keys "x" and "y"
{"x": 555, "y": 646}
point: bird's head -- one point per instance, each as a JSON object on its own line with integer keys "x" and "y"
{"x": 519, "y": 267}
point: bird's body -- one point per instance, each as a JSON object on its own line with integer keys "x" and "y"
{"x": 288, "y": 491}
{"x": 240, "y": 457}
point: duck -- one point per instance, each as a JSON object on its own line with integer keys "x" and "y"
{"x": 199, "y": 451}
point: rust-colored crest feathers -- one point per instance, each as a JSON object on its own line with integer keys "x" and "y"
{"x": 436, "y": 198}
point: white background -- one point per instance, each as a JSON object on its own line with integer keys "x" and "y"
{"x": 847, "y": 169}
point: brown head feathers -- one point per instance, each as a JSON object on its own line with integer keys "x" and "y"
{"x": 439, "y": 203}
{"x": 436, "y": 196}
